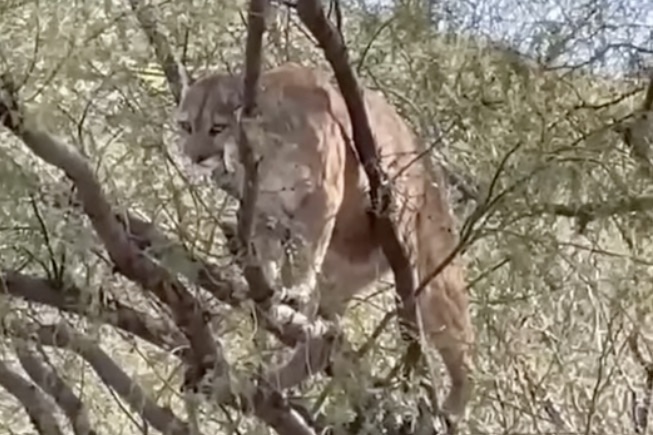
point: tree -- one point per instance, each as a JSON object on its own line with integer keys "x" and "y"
{"x": 123, "y": 266}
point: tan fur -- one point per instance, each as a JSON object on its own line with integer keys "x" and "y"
{"x": 313, "y": 187}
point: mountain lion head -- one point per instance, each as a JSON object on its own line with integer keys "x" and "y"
{"x": 207, "y": 123}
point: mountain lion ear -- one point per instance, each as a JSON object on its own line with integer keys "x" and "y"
{"x": 185, "y": 79}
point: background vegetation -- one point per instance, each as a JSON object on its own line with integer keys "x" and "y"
{"x": 544, "y": 132}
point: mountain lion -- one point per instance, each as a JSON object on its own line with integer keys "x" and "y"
{"x": 313, "y": 194}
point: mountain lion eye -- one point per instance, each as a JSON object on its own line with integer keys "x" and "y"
{"x": 185, "y": 126}
{"x": 217, "y": 129}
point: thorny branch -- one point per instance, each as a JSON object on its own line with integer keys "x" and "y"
{"x": 206, "y": 355}
{"x": 285, "y": 419}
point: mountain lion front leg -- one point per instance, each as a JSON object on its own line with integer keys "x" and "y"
{"x": 303, "y": 263}
{"x": 291, "y": 261}
{"x": 303, "y": 201}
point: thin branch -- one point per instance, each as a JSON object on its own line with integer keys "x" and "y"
{"x": 159, "y": 43}
{"x": 161, "y": 418}
{"x": 71, "y": 298}
{"x": 329, "y": 39}
{"x": 52, "y": 384}
{"x": 207, "y": 355}
{"x": 33, "y": 400}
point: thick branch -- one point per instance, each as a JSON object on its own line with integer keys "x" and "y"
{"x": 33, "y": 400}
{"x": 52, "y": 384}
{"x": 312, "y": 15}
{"x": 161, "y": 418}
{"x": 126, "y": 255}
{"x": 72, "y": 299}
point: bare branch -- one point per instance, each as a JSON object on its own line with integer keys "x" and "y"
{"x": 52, "y": 384}
{"x": 33, "y": 400}
{"x": 72, "y": 299}
{"x": 161, "y": 418}
{"x": 312, "y": 15}
{"x": 159, "y": 43}
{"x": 207, "y": 356}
